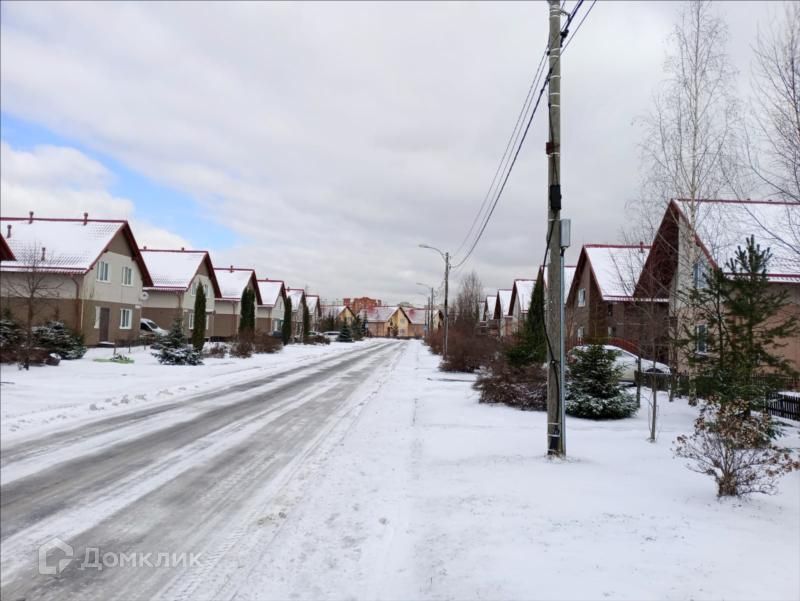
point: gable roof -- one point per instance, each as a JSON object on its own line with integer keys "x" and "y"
{"x": 521, "y": 292}
{"x": 569, "y": 275}
{"x": 175, "y": 269}
{"x": 723, "y": 225}
{"x": 297, "y": 296}
{"x": 312, "y": 302}
{"x": 489, "y": 306}
{"x": 5, "y": 250}
{"x": 615, "y": 268}
{"x": 416, "y": 316}
{"x": 270, "y": 291}
{"x": 233, "y": 281}
{"x": 503, "y": 304}
{"x": 70, "y": 246}
{"x": 383, "y": 313}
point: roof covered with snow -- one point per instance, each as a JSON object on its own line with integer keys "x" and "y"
{"x": 522, "y": 292}
{"x": 504, "y": 302}
{"x": 382, "y": 313}
{"x": 296, "y": 296}
{"x": 233, "y": 280}
{"x": 417, "y": 316}
{"x": 270, "y": 291}
{"x": 491, "y": 302}
{"x": 312, "y": 302}
{"x": 723, "y": 225}
{"x": 616, "y": 268}
{"x": 63, "y": 245}
{"x": 175, "y": 269}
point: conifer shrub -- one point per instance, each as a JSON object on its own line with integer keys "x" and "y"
{"x": 55, "y": 337}
{"x": 174, "y": 350}
{"x": 344, "y": 333}
{"x": 593, "y": 389}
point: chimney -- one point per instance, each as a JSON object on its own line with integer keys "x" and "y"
{"x": 231, "y": 268}
{"x": 144, "y": 247}
{"x": 44, "y": 253}
{"x": 30, "y": 216}
{"x": 182, "y": 249}
{"x": 641, "y": 247}
{"x": 8, "y": 235}
{"x": 85, "y": 218}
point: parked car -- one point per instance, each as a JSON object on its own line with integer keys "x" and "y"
{"x": 629, "y": 363}
{"x": 147, "y": 327}
{"x": 333, "y": 336}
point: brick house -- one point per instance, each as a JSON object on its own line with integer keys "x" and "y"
{"x": 388, "y": 321}
{"x": 270, "y": 313}
{"x": 602, "y": 306}
{"x": 314, "y": 311}
{"x": 298, "y": 298}
{"x": 233, "y": 281}
{"x": 502, "y": 313}
{"x": 176, "y": 277}
{"x": 521, "y": 294}
{"x": 92, "y": 274}
{"x": 682, "y": 254}
{"x": 357, "y": 305}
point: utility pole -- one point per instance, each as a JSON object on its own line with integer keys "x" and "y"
{"x": 446, "y": 315}
{"x": 555, "y": 383}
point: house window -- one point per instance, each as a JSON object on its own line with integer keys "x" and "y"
{"x": 103, "y": 271}
{"x": 206, "y": 322}
{"x": 580, "y": 333}
{"x": 701, "y": 338}
{"x": 194, "y": 288}
{"x": 191, "y": 320}
{"x": 699, "y": 274}
{"x": 205, "y": 289}
{"x": 127, "y": 276}
{"x": 612, "y": 331}
{"x": 582, "y": 297}
{"x": 125, "y": 319}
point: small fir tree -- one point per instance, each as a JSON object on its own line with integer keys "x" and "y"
{"x": 174, "y": 350}
{"x": 199, "y": 331}
{"x": 593, "y": 389}
{"x": 355, "y": 328}
{"x": 286, "y": 330}
{"x": 345, "y": 334}
{"x": 530, "y": 345}
{"x": 247, "y": 317}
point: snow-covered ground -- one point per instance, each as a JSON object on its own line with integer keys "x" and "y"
{"x": 433, "y": 496}
{"x": 362, "y": 472}
{"x": 46, "y": 399}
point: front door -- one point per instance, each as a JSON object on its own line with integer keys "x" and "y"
{"x": 105, "y": 317}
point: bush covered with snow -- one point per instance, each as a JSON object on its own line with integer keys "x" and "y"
{"x": 11, "y": 337}
{"x": 55, "y": 337}
{"x": 174, "y": 350}
{"x": 593, "y": 389}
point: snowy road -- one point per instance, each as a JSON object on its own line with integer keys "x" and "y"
{"x": 180, "y": 481}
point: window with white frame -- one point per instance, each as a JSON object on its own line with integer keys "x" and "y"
{"x": 701, "y": 338}
{"x": 127, "y": 276}
{"x": 580, "y": 333}
{"x": 206, "y": 289}
{"x": 194, "y": 288}
{"x": 125, "y": 319}
{"x": 699, "y": 272}
{"x": 191, "y": 320}
{"x": 582, "y": 297}
{"x": 207, "y": 322}
{"x": 103, "y": 271}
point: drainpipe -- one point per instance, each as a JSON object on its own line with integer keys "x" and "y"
{"x": 78, "y": 301}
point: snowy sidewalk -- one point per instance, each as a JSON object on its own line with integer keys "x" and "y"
{"x": 432, "y": 496}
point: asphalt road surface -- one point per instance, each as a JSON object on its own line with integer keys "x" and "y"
{"x": 156, "y": 512}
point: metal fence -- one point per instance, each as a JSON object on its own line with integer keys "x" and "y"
{"x": 782, "y": 397}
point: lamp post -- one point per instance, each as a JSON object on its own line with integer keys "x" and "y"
{"x": 430, "y": 307}
{"x": 446, "y": 257}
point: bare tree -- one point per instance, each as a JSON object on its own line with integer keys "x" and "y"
{"x": 689, "y": 150}
{"x": 34, "y": 288}
{"x": 468, "y": 302}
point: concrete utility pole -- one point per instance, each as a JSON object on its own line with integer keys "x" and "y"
{"x": 555, "y": 383}
{"x": 446, "y": 257}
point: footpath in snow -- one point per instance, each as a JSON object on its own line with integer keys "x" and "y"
{"x": 430, "y": 495}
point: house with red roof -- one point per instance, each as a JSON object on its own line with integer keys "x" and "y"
{"x": 694, "y": 236}
{"x": 297, "y": 296}
{"x": 502, "y": 312}
{"x": 314, "y": 311}
{"x": 601, "y": 304}
{"x": 338, "y": 314}
{"x": 176, "y": 277}
{"x": 270, "y": 312}
{"x": 387, "y": 321}
{"x": 86, "y": 273}
{"x": 233, "y": 281}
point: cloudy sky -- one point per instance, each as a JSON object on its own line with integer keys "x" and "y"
{"x": 321, "y": 143}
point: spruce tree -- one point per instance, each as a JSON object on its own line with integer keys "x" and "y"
{"x": 247, "y": 317}
{"x": 174, "y": 350}
{"x": 593, "y": 389}
{"x": 364, "y": 328}
{"x": 199, "y": 331}
{"x": 345, "y": 334}
{"x": 286, "y": 330}
{"x": 531, "y": 345}
{"x": 355, "y": 328}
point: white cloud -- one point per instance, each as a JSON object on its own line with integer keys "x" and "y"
{"x": 56, "y": 181}
{"x": 334, "y": 137}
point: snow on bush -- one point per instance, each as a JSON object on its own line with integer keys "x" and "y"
{"x": 593, "y": 389}
{"x": 55, "y": 337}
{"x": 732, "y": 444}
{"x": 174, "y": 350}
{"x": 11, "y": 337}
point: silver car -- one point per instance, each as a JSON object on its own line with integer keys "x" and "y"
{"x": 629, "y": 363}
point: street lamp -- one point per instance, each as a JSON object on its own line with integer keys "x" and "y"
{"x": 430, "y": 307}
{"x": 446, "y": 257}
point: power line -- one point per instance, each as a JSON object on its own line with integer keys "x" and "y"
{"x": 488, "y": 217}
